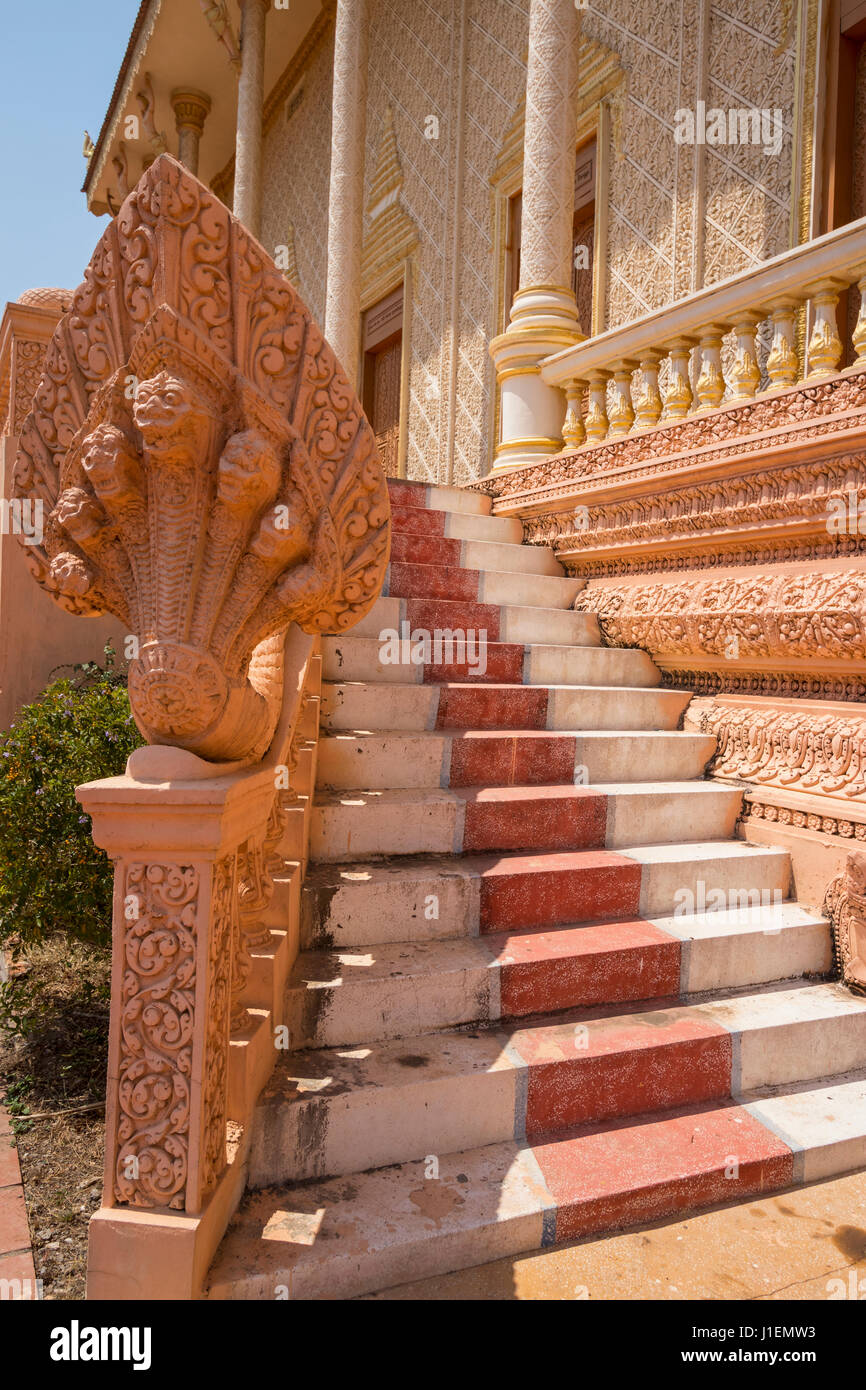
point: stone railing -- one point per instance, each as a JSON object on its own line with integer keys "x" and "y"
{"x": 618, "y": 372}
{"x": 209, "y": 478}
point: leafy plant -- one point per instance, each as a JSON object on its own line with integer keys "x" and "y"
{"x": 52, "y": 876}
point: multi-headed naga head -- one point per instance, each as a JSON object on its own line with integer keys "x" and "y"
{"x": 206, "y": 469}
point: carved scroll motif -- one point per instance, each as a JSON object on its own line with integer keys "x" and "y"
{"x": 845, "y": 904}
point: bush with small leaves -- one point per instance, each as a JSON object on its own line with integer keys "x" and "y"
{"x": 52, "y": 876}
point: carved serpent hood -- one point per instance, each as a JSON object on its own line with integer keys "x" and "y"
{"x": 206, "y": 471}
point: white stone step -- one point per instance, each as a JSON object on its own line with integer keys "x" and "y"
{"x": 749, "y": 946}
{"x": 684, "y": 876}
{"x": 559, "y": 665}
{"x": 355, "y": 758}
{"x": 559, "y": 626}
{"x": 437, "y": 1093}
{"x": 513, "y": 559}
{"x": 335, "y": 1239}
{"x": 350, "y": 658}
{"x": 386, "y": 706}
{"x": 381, "y": 992}
{"x": 366, "y": 901}
{"x": 544, "y": 590}
{"x": 432, "y": 820}
{"x": 824, "y": 1126}
{"x": 464, "y": 526}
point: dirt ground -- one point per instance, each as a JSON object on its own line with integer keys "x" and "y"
{"x": 53, "y": 1044}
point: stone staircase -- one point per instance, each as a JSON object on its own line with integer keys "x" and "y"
{"x": 514, "y": 1020}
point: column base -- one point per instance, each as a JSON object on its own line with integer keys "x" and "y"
{"x": 543, "y": 321}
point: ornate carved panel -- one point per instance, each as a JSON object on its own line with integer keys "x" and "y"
{"x": 207, "y": 471}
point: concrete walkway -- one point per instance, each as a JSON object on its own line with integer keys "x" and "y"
{"x": 808, "y": 1243}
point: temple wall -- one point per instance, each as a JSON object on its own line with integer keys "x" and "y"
{"x": 677, "y": 215}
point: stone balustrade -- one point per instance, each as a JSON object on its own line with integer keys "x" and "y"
{"x": 612, "y": 381}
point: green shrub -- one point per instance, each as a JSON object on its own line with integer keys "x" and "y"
{"x": 52, "y": 876}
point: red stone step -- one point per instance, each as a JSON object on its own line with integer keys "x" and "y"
{"x": 407, "y": 494}
{"x": 417, "y": 521}
{"x": 409, "y": 578}
{"x": 526, "y": 890}
{"x": 424, "y": 550}
{"x": 434, "y": 613}
{"x": 528, "y": 758}
{"x": 527, "y": 818}
{"x": 502, "y": 661}
{"x": 494, "y": 707}
{"x": 605, "y": 1068}
{"x": 642, "y": 1169}
{"x": 547, "y": 969}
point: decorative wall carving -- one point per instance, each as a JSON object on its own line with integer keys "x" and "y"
{"x": 775, "y": 513}
{"x": 162, "y": 913}
{"x": 821, "y": 750}
{"x": 207, "y": 471}
{"x": 845, "y": 904}
{"x": 777, "y": 627}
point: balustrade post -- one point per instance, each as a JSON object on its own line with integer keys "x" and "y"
{"x": 710, "y": 385}
{"x": 621, "y": 410}
{"x": 745, "y": 375}
{"x": 573, "y": 432}
{"x": 825, "y": 346}
{"x": 648, "y": 405}
{"x": 859, "y": 335}
{"x": 678, "y": 397}
{"x": 596, "y": 422}
{"x": 782, "y": 363}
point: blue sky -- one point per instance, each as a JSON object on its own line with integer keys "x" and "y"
{"x": 57, "y": 72}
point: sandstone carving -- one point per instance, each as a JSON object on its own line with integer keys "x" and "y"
{"x": 207, "y": 473}
{"x": 845, "y": 904}
{"x": 764, "y": 621}
{"x": 814, "y": 750}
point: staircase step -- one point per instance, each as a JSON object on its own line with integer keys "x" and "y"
{"x": 341, "y": 1238}
{"x": 474, "y": 555}
{"x": 503, "y": 586}
{"x": 337, "y": 1110}
{"x": 465, "y": 656}
{"x": 558, "y": 626}
{"x": 349, "y": 705}
{"x": 379, "y": 992}
{"x": 471, "y": 758}
{"x": 405, "y": 493}
{"x": 425, "y": 899}
{"x": 464, "y": 526}
{"x": 477, "y": 820}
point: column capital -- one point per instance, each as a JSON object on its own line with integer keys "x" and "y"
{"x": 191, "y": 108}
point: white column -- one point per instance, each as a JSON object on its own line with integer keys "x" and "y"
{"x": 251, "y": 96}
{"x": 544, "y": 314}
{"x": 346, "y": 192}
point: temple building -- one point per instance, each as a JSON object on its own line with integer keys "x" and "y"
{"x": 575, "y": 728}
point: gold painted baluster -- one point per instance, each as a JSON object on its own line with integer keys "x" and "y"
{"x": 678, "y": 397}
{"x": 745, "y": 374}
{"x": 782, "y": 364}
{"x": 648, "y": 406}
{"x": 711, "y": 384}
{"x": 621, "y": 413}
